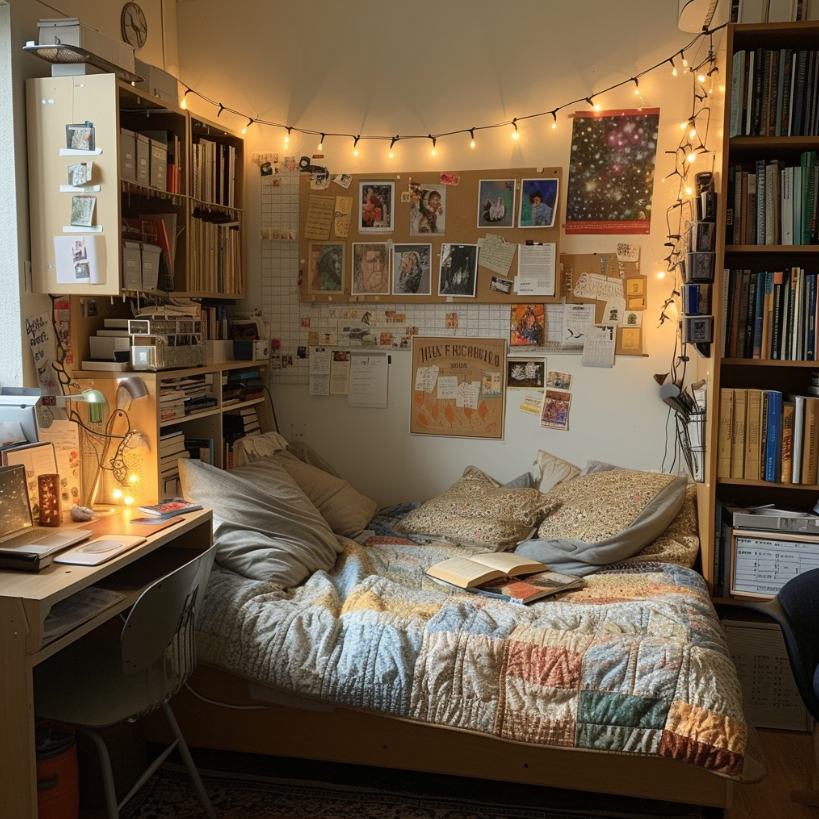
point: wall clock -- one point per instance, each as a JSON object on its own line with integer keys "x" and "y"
{"x": 133, "y": 25}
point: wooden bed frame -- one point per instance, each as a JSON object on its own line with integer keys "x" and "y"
{"x": 363, "y": 738}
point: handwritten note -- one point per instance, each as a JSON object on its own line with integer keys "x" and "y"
{"x": 496, "y": 254}
{"x": 320, "y": 212}
{"x": 342, "y": 216}
{"x": 448, "y": 386}
{"x": 425, "y": 378}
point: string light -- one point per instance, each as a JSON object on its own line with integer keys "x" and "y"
{"x": 636, "y": 87}
{"x": 554, "y": 116}
{"x": 434, "y": 141}
{"x": 287, "y": 137}
{"x": 355, "y": 144}
{"x": 515, "y": 133}
{"x": 321, "y": 143}
{"x": 249, "y": 123}
{"x": 184, "y": 102}
{"x": 219, "y": 112}
{"x": 673, "y": 67}
{"x": 471, "y": 137}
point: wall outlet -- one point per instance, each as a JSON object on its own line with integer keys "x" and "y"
{"x": 298, "y": 432}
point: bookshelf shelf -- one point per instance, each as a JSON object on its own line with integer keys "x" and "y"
{"x": 767, "y": 288}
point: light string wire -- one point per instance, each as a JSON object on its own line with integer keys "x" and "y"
{"x": 324, "y": 133}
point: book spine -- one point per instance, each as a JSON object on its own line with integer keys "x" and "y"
{"x": 759, "y": 87}
{"x": 749, "y": 222}
{"x": 798, "y": 437}
{"x": 786, "y": 469}
{"x": 728, "y": 282}
{"x": 775, "y": 127}
{"x": 773, "y": 443}
{"x": 753, "y": 440}
{"x": 776, "y": 321}
{"x": 748, "y": 317}
{"x": 737, "y": 92}
{"x": 761, "y": 200}
{"x": 729, "y": 207}
{"x": 738, "y": 434}
{"x": 759, "y": 315}
{"x": 809, "y": 442}
{"x": 725, "y": 432}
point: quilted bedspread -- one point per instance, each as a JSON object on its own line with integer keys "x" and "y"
{"x": 634, "y": 662}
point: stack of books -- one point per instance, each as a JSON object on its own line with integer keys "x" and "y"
{"x": 183, "y": 396}
{"x": 171, "y": 449}
{"x": 242, "y": 385}
{"x": 201, "y": 449}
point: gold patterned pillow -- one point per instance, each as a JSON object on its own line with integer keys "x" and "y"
{"x": 476, "y": 510}
{"x": 592, "y": 508}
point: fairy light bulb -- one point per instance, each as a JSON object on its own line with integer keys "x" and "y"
{"x": 117, "y": 494}
{"x": 515, "y": 134}
{"x": 128, "y": 500}
{"x": 287, "y": 138}
{"x": 355, "y": 144}
{"x": 132, "y": 478}
{"x": 661, "y": 274}
{"x": 683, "y": 126}
{"x": 471, "y": 137}
{"x": 700, "y": 77}
{"x": 691, "y": 157}
{"x": 321, "y": 143}
{"x": 692, "y": 133}
{"x": 434, "y": 151}
{"x": 249, "y": 123}
{"x": 689, "y": 190}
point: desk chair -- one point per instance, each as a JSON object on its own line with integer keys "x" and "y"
{"x": 93, "y": 683}
{"x": 796, "y": 609}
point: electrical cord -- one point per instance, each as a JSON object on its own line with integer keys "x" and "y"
{"x": 225, "y": 704}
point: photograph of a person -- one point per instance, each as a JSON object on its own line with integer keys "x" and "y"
{"x": 496, "y": 203}
{"x": 376, "y": 205}
{"x": 427, "y": 213}
{"x": 412, "y": 272}
{"x": 538, "y": 203}
{"x": 527, "y": 325}
{"x": 326, "y": 267}
{"x": 371, "y": 269}
{"x": 459, "y": 270}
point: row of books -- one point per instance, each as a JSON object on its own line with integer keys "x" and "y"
{"x": 182, "y": 396}
{"x": 215, "y": 249}
{"x": 771, "y": 203}
{"x": 171, "y": 449}
{"x": 767, "y": 436}
{"x": 215, "y": 321}
{"x": 213, "y": 167}
{"x": 770, "y": 314}
{"x": 774, "y": 92}
{"x": 242, "y": 385}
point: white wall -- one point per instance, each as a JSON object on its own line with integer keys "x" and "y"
{"x": 398, "y": 68}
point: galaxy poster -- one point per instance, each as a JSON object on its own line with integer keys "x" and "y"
{"x": 611, "y": 172}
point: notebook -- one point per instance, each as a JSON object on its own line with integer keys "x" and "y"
{"x": 99, "y": 551}
{"x": 17, "y": 529}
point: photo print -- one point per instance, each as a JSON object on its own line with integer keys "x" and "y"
{"x": 79, "y": 136}
{"x": 527, "y": 325}
{"x": 326, "y": 267}
{"x": 427, "y": 212}
{"x": 554, "y": 411}
{"x": 376, "y": 206}
{"x": 560, "y": 381}
{"x": 538, "y": 203}
{"x": 459, "y": 270}
{"x": 412, "y": 272}
{"x": 496, "y": 203}
{"x": 80, "y": 174}
{"x": 371, "y": 269}
{"x": 525, "y": 373}
{"x": 82, "y": 210}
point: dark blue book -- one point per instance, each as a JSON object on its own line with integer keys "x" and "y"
{"x": 773, "y": 436}
{"x": 810, "y": 317}
{"x": 759, "y": 314}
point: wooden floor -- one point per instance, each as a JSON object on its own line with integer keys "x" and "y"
{"x": 789, "y": 759}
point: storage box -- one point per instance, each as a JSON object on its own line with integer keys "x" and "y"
{"x": 127, "y": 155}
{"x": 151, "y": 255}
{"x": 143, "y": 160}
{"x": 158, "y": 83}
{"x": 69, "y": 31}
{"x": 250, "y": 350}
{"x": 154, "y": 353}
{"x": 131, "y": 266}
{"x": 219, "y": 351}
{"x": 158, "y": 166}
{"x": 103, "y": 347}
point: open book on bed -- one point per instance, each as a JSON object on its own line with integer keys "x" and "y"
{"x": 502, "y": 575}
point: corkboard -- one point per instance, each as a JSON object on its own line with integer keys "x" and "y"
{"x": 458, "y": 386}
{"x": 460, "y": 220}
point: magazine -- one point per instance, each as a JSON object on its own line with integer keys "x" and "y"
{"x": 170, "y": 506}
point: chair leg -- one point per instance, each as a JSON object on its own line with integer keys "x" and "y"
{"x": 810, "y": 796}
{"x": 185, "y": 753}
{"x": 109, "y": 791}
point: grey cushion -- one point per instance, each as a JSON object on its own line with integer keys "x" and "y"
{"x": 264, "y": 526}
{"x": 604, "y": 517}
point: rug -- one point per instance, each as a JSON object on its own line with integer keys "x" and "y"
{"x": 170, "y": 795}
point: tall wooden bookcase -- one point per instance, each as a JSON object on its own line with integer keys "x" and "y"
{"x": 791, "y": 377}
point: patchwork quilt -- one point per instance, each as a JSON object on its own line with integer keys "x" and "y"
{"x": 633, "y": 662}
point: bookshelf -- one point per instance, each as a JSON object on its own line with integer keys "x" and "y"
{"x": 188, "y": 411}
{"x": 159, "y": 176}
{"x": 765, "y": 335}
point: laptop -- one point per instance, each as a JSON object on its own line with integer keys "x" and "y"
{"x": 17, "y": 529}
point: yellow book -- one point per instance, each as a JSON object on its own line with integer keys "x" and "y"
{"x": 810, "y": 442}
{"x": 726, "y": 420}
{"x": 788, "y": 409}
{"x": 753, "y": 436}
{"x": 738, "y": 434}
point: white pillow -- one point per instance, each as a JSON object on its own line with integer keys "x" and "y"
{"x": 264, "y": 526}
{"x": 549, "y": 471}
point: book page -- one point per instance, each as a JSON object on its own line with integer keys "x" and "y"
{"x": 508, "y": 563}
{"x": 462, "y": 572}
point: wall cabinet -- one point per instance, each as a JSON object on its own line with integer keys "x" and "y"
{"x": 765, "y": 294}
{"x": 146, "y": 163}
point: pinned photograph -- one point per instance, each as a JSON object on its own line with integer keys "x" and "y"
{"x": 326, "y": 267}
{"x": 500, "y": 285}
{"x": 527, "y": 325}
{"x": 79, "y": 253}
{"x": 538, "y": 203}
{"x": 80, "y": 136}
{"x": 459, "y": 270}
{"x": 560, "y": 381}
{"x": 496, "y": 203}
{"x": 554, "y": 411}
{"x": 371, "y": 269}
{"x": 80, "y": 174}
{"x": 82, "y": 210}
{"x": 491, "y": 384}
{"x": 427, "y": 214}
{"x": 376, "y": 206}
{"x": 525, "y": 373}
{"x": 412, "y": 270}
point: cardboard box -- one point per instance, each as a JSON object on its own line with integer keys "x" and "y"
{"x": 158, "y": 166}
{"x": 158, "y": 83}
{"x": 127, "y": 155}
{"x": 69, "y": 31}
{"x": 219, "y": 351}
{"x": 131, "y": 266}
{"x": 143, "y": 160}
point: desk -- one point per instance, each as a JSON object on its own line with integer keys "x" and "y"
{"x": 25, "y": 600}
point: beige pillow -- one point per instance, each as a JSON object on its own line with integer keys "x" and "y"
{"x": 476, "y": 511}
{"x": 549, "y": 471}
{"x": 600, "y": 505}
{"x": 346, "y": 510}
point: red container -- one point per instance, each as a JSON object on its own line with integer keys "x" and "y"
{"x": 58, "y": 793}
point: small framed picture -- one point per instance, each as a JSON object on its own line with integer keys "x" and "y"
{"x": 496, "y": 203}
{"x": 325, "y": 267}
{"x": 538, "y": 203}
{"x": 80, "y": 136}
{"x": 525, "y": 373}
{"x": 412, "y": 270}
{"x": 527, "y": 326}
{"x": 371, "y": 269}
{"x": 697, "y": 329}
{"x": 376, "y": 203}
{"x": 459, "y": 270}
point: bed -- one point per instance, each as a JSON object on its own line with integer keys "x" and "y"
{"x": 622, "y": 686}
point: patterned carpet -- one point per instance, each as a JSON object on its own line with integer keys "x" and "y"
{"x": 169, "y": 795}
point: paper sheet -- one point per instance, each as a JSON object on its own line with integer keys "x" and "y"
{"x": 576, "y": 318}
{"x": 496, "y": 254}
{"x": 319, "y": 371}
{"x": 598, "y": 349}
{"x": 343, "y": 216}
{"x": 536, "y": 270}
{"x": 368, "y": 380}
{"x": 320, "y": 213}
{"x": 65, "y": 436}
{"x": 340, "y": 373}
